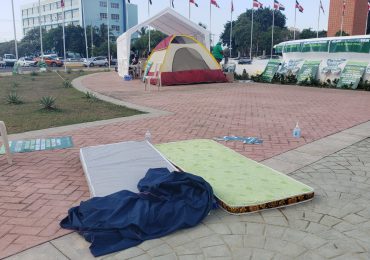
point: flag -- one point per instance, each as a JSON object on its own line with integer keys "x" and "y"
{"x": 298, "y": 6}
{"x": 257, "y": 4}
{"x": 193, "y": 2}
{"x": 62, "y": 3}
{"x": 278, "y": 6}
{"x": 173, "y": 6}
{"x": 150, "y": 2}
{"x": 368, "y": 5}
{"x": 129, "y": 1}
{"x": 213, "y": 2}
{"x": 322, "y": 8}
{"x": 232, "y": 6}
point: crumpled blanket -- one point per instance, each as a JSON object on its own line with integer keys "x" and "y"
{"x": 166, "y": 202}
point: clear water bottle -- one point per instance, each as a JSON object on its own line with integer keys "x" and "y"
{"x": 148, "y": 136}
{"x": 297, "y": 131}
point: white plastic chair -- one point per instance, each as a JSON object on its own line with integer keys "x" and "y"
{"x": 4, "y": 137}
{"x": 156, "y": 75}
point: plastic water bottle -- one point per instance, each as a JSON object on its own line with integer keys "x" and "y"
{"x": 297, "y": 131}
{"x": 148, "y": 136}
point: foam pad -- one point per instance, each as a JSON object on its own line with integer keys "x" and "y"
{"x": 120, "y": 166}
{"x": 240, "y": 184}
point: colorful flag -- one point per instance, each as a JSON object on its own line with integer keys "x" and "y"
{"x": 193, "y": 2}
{"x": 298, "y": 6}
{"x": 62, "y": 3}
{"x": 322, "y": 8}
{"x": 278, "y": 6}
{"x": 232, "y": 6}
{"x": 368, "y": 5}
{"x": 213, "y": 2}
{"x": 257, "y": 4}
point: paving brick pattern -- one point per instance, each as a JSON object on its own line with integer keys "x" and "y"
{"x": 36, "y": 192}
{"x": 335, "y": 225}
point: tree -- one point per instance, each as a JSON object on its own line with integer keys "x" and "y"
{"x": 262, "y": 27}
{"x": 338, "y": 33}
{"x": 141, "y": 44}
{"x": 309, "y": 33}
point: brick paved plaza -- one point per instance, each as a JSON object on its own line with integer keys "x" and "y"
{"x": 36, "y": 192}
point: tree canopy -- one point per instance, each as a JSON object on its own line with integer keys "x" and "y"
{"x": 262, "y": 30}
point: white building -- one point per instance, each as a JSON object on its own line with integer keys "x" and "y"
{"x": 95, "y": 14}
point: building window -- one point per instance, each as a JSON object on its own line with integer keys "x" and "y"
{"x": 115, "y": 28}
{"x": 103, "y": 4}
{"x": 44, "y": 8}
{"x": 114, "y": 5}
{"x": 115, "y": 16}
{"x": 103, "y": 16}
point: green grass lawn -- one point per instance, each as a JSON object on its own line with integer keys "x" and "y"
{"x": 72, "y": 105}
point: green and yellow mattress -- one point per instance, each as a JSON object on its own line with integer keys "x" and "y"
{"x": 240, "y": 184}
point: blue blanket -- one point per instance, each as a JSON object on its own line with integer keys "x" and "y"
{"x": 166, "y": 202}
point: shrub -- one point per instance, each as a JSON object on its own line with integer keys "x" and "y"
{"x": 257, "y": 78}
{"x": 48, "y": 103}
{"x": 34, "y": 73}
{"x": 81, "y": 71}
{"x": 69, "y": 71}
{"x": 67, "y": 84}
{"x": 106, "y": 70}
{"x": 14, "y": 99}
{"x": 15, "y": 85}
{"x": 91, "y": 96}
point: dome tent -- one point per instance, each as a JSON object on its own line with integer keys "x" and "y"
{"x": 184, "y": 60}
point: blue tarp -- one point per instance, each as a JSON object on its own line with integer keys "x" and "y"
{"x": 166, "y": 202}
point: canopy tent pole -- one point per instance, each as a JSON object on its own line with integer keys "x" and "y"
{"x": 210, "y": 23}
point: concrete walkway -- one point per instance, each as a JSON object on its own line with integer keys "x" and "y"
{"x": 36, "y": 192}
{"x": 335, "y": 225}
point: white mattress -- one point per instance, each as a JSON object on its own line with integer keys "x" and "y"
{"x": 120, "y": 166}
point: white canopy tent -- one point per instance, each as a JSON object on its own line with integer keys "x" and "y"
{"x": 167, "y": 21}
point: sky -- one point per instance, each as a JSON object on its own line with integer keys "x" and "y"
{"x": 307, "y": 19}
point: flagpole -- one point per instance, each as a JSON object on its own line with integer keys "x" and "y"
{"x": 41, "y": 45}
{"x": 83, "y": 19}
{"x": 251, "y": 47}
{"x": 64, "y": 42}
{"x": 341, "y": 25}
{"x": 126, "y": 16}
{"x": 108, "y": 32}
{"x": 231, "y": 27}
{"x": 295, "y": 20}
{"x": 210, "y": 23}
{"x": 15, "y": 33}
{"x": 318, "y": 20}
{"x": 92, "y": 40}
{"x": 189, "y": 9}
{"x": 149, "y": 27}
{"x": 367, "y": 19}
{"x": 272, "y": 34}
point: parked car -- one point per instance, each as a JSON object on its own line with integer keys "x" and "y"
{"x": 9, "y": 59}
{"x": 53, "y": 62}
{"x": 96, "y": 61}
{"x": 113, "y": 62}
{"x": 244, "y": 60}
{"x": 26, "y": 62}
{"x": 2, "y": 63}
{"x": 46, "y": 56}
